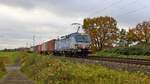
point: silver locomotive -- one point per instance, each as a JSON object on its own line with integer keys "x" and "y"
{"x": 75, "y": 44}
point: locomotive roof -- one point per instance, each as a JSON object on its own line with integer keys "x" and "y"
{"x": 72, "y": 34}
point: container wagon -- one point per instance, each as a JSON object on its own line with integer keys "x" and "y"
{"x": 38, "y": 49}
{"x": 46, "y": 47}
{"x": 50, "y": 46}
{"x": 43, "y": 48}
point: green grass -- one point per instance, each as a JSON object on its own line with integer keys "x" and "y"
{"x": 8, "y": 58}
{"x": 52, "y": 70}
{"x": 107, "y": 54}
{"x": 2, "y": 74}
{"x": 11, "y": 57}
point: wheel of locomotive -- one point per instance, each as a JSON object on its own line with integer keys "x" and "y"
{"x": 70, "y": 54}
{"x": 85, "y": 55}
{"x": 66, "y": 54}
{"x": 82, "y": 54}
{"x": 74, "y": 54}
{"x": 78, "y": 54}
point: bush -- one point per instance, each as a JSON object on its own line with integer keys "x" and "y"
{"x": 147, "y": 51}
{"x": 134, "y": 50}
{"x": 130, "y": 51}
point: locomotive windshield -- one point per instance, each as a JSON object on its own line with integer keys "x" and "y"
{"x": 82, "y": 38}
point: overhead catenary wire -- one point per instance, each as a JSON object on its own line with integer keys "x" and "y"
{"x": 127, "y": 4}
{"x": 104, "y": 9}
{"x": 123, "y": 14}
{"x": 117, "y": 2}
{"x": 133, "y": 11}
{"x": 133, "y": 2}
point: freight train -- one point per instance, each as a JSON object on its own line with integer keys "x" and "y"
{"x": 75, "y": 44}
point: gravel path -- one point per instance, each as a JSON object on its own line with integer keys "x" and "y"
{"x": 14, "y": 76}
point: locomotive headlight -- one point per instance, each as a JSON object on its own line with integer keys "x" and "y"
{"x": 76, "y": 45}
{"x": 81, "y": 46}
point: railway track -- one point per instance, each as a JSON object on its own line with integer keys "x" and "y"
{"x": 144, "y": 62}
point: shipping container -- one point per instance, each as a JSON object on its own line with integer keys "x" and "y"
{"x": 43, "y": 47}
{"x": 39, "y": 48}
{"x": 51, "y": 46}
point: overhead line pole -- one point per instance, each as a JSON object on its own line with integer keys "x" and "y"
{"x": 33, "y": 40}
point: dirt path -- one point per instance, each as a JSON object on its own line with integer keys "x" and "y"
{"x": 14, "y": 76}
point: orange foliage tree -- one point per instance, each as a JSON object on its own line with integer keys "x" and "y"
{"x": 140, "y": 34}
{"x": 103, "y": 31}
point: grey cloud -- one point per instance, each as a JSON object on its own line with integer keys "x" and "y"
{"x": 60, "y": 7}
{"x": 78, "y": 8}
{"x": 15, "y": 32}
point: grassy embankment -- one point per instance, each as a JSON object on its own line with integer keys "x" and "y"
{"x": 139, "y": 52}
{"x": 52, "y": 70}
{"x": 7, "y": 58}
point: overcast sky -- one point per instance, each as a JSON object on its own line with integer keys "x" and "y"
{"x": 48, "y": 19}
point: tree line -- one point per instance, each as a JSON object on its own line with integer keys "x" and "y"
{"x": 105, "y": 34}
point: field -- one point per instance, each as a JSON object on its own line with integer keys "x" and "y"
{"x": 53, "y": 70}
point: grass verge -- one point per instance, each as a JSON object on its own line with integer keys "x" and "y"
{"x": 51, "y": 70}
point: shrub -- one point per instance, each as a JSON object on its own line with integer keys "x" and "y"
{"x": 133, "y": 50}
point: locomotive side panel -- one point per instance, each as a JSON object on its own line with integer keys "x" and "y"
{"x": 63, "y": 44}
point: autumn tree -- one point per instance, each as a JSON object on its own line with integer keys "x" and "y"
{"x": 131, "y": 36}
{"x": 141, "y": 33}
{"x": 103, "y": 31}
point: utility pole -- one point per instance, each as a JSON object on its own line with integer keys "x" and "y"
{"x": 27, "y": 45}
{"x": 33, "y": 40}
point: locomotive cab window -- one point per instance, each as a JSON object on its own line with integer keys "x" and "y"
{"x": 82, "y": 38}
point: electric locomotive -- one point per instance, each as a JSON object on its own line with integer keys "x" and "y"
{"x": 75, "y": 44}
